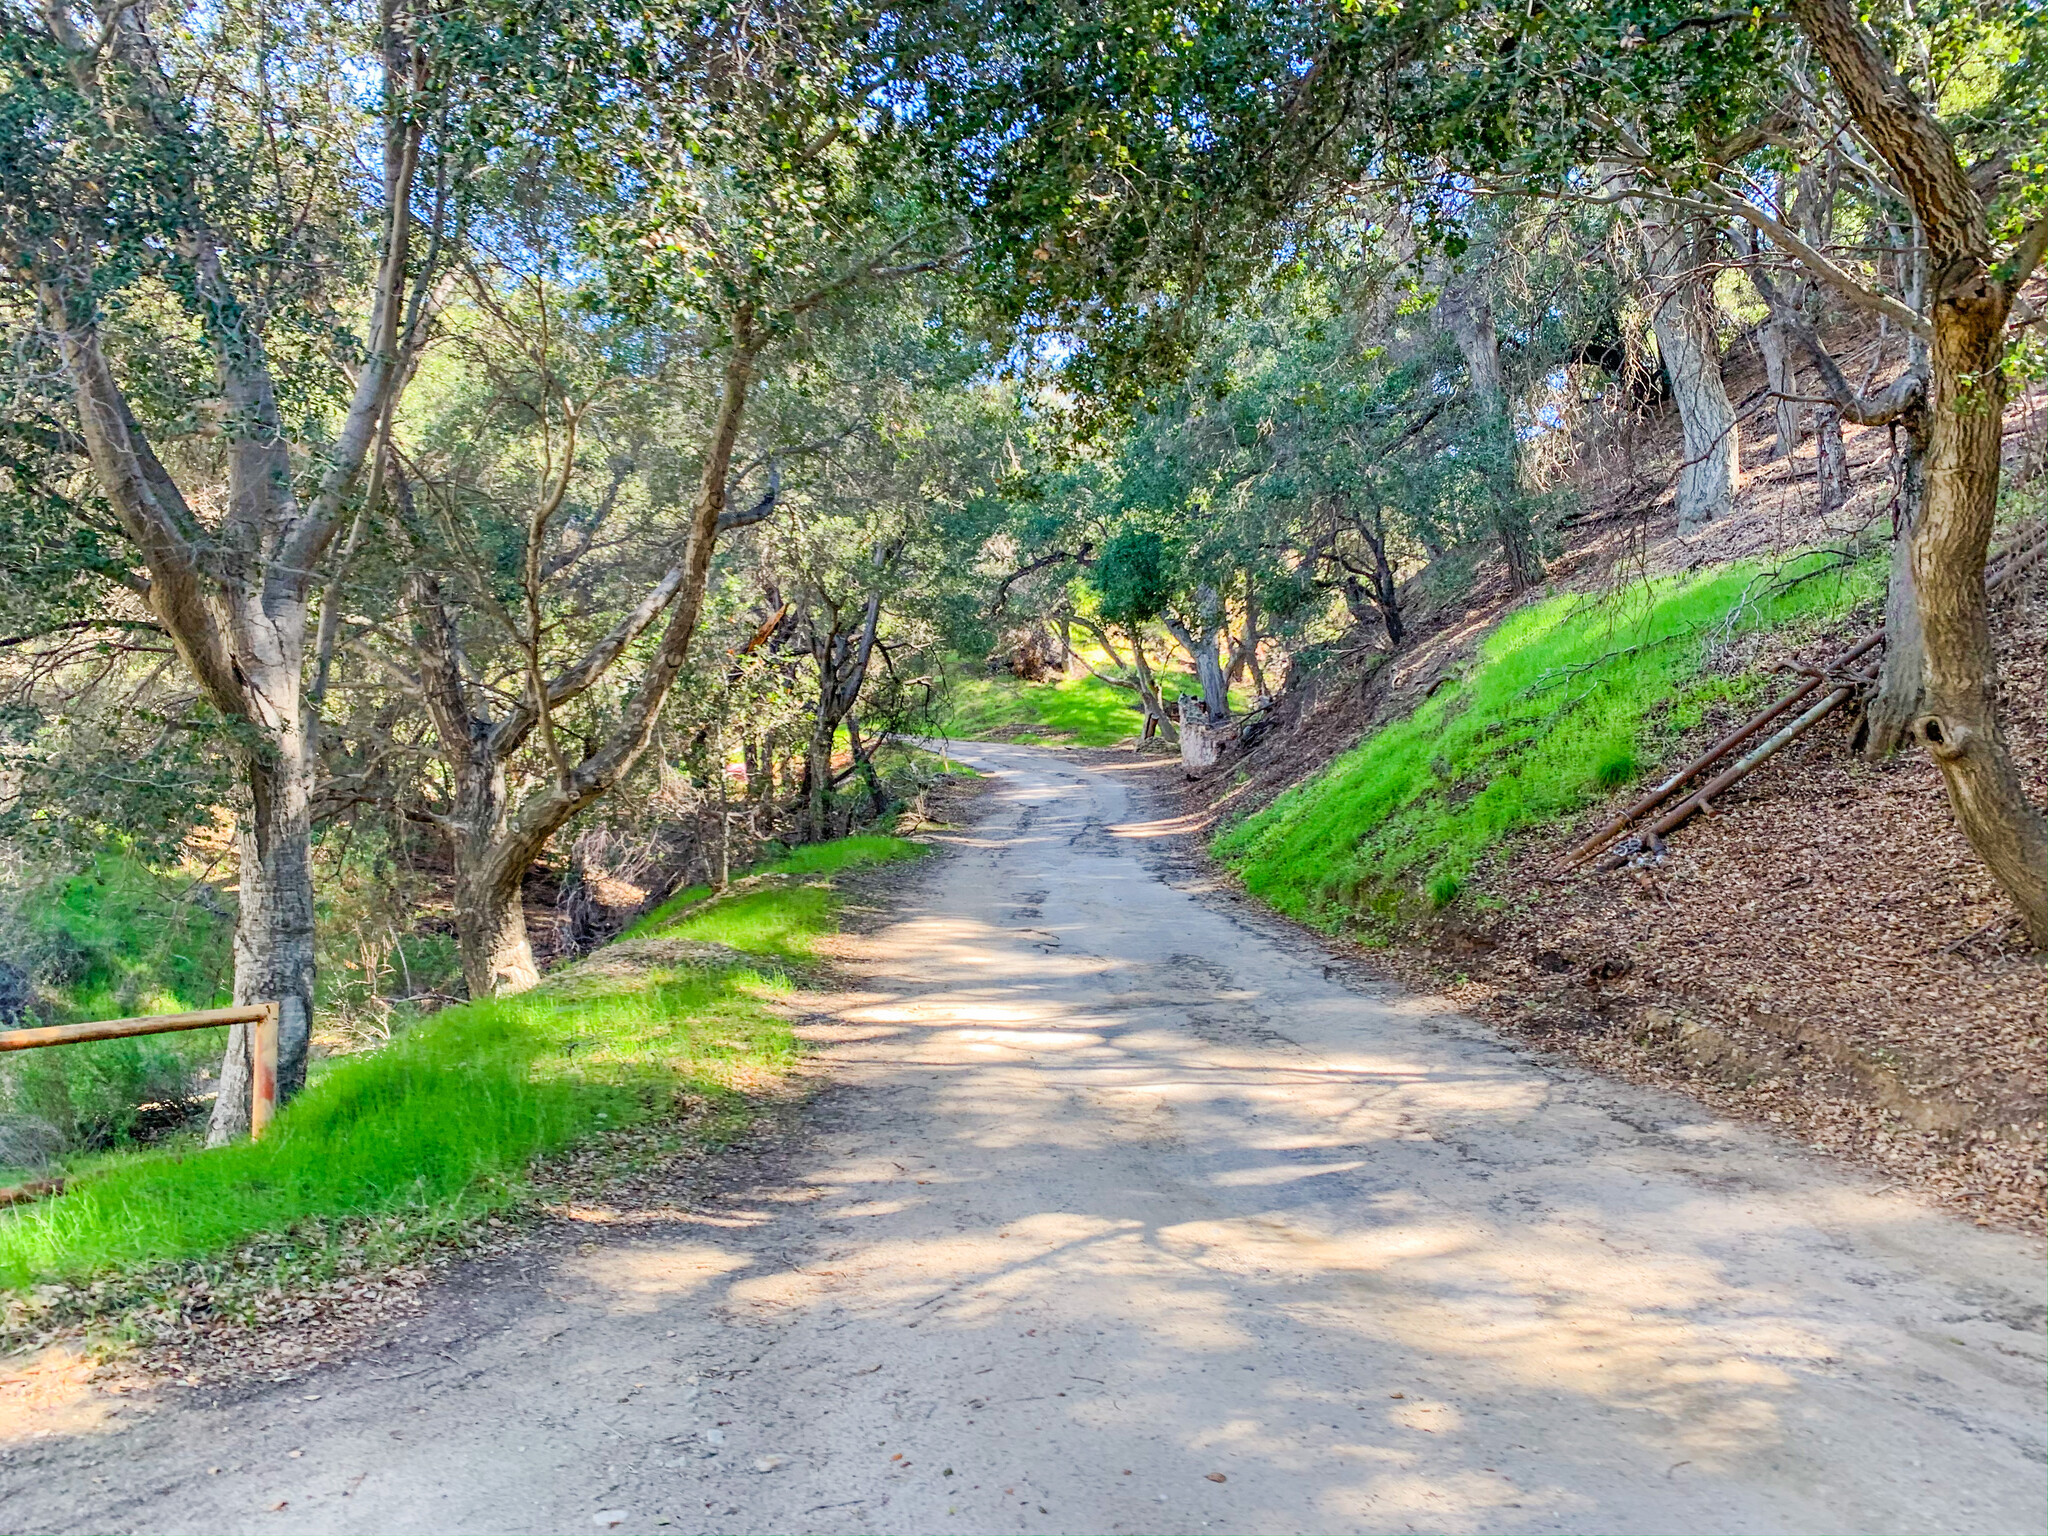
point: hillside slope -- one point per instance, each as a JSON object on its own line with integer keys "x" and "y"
{"x": 1823, "y": 954}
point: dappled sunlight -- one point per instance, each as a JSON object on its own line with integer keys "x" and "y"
{"x": 1053, "y": 1039}
{"x": 646, "y": 1278}
{"x": 1164, "y": 826}
{"x": 1105, "y": 1184}
{"x": 60, "y": 1389}
{"x": 1245, "y": 1177}
{"x": 1128, "y": 1151}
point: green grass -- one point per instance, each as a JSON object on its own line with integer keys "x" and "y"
{"x": 1566, "y": 700}
{"x": 113, "y": 939}
{"x": 1084, "y": 711}
{"x": 447, "y": 1120}
{"x": 119, "y": 938}
{"x": 781, "y": 919}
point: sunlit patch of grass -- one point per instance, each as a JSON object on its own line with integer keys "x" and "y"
{"x": 1083, "y": 710}
{"x": 1566, "y": 700}
{"x": 779, "y": 918}
{"x": 446, "y": 1120}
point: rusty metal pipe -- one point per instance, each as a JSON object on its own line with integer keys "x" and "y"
{"x": 120, "y": 1029}
{"x": 2006, "y": 565}
{"x": 1720, "y": 749}
{"x": 1743, "y": 767}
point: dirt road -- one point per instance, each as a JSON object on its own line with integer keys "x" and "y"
{"x": 1126, "y": 1215}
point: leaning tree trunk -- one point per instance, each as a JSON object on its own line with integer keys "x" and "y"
{"x": 1204, "y": 651}
{"x": 1156, "y": 720}
{"x": 1712, "y": 468}
{"x": 1958, "y": 721}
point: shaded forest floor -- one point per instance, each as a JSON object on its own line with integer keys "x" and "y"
{"x": 1823, "y": 954}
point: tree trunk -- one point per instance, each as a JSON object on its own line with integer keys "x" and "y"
{"x": 1784, "y": 383}
{"x": 490, "y": 921}
{"x": 1831, "y": 461}
{"x": 273, "y": 930}
{"x": 722, "y": 874}
{"x": 1244, "y": 655}
{"x": 864, "y": 760}
{"x": 1209, "y": 670}
{"x": 1964, "y": 416}
{"x": 1156, "y": 719}
{"x": 490, "y": 926}
{"x": 1712, "y": 468}
{"x": 818, "y": 776}
{"x": 1387, "y": 596}
{"x": 1467, "y": 313}
{"x": 1895, "y": 704}
{"x": 1958, "y": 722}
{"x": 1203, "y": 651}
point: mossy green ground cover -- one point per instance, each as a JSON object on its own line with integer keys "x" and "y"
{"x": 778, "y": 919}
{"x": 448, "y": 1119}
{"x": 1569, "y": 698}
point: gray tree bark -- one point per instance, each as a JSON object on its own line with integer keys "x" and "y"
{"x": 1972, "y": 294}
{"x": 1783, "y": 380}
{"x": 1203, "y": 650}
{"x": 1467, "y": 313}
{"x": 1682, "y": 318}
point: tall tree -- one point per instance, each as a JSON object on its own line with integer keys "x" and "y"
{"x": 761, "y": 210}
{"x": 1692, "y": 107}
{"x": 179, "y": 202}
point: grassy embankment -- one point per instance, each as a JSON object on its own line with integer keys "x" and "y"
{"x": 1568, "y": 699}
{"x": 447, "y": 1120}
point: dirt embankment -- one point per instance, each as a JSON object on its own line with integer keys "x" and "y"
{"x": 1824, "y": 953}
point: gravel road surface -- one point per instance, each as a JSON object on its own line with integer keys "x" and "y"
{"x": 1128, "y": 1210}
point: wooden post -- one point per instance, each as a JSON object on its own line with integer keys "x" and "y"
{"x": 262, "y": 1071}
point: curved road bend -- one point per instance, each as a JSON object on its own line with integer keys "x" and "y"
{"x": 1118, "y": 1192}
